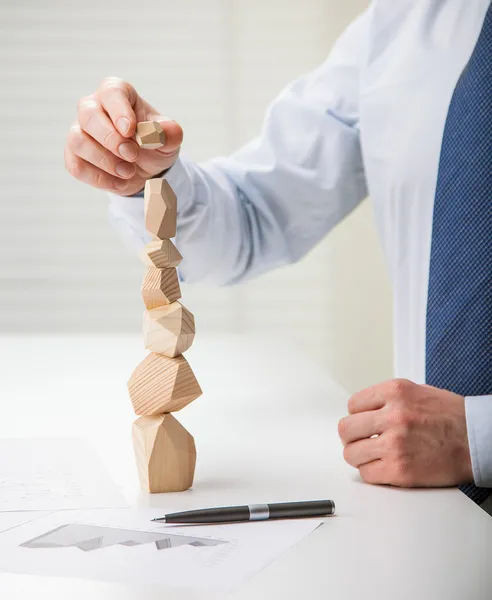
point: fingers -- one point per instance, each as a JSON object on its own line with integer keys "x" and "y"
{"x": 377, "y": 396}
{"x": 118, "y": 99}
{"x": 156, "y": 161}
{"x": 174, "y": 135}
{"x": 370, "y": 399}
{"x": 374, "y": 472}
{"x": 96, "y": 123}
{"x": 92, "y": 175}
{"x": 152, "y": 162}
{"x": 101, "y": 145}
{"x": 360, "y": 426}
{"x": 85, "y": 147}
{"x": 362, "y": 452}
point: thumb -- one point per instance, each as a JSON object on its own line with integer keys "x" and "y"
{"x": 173, "y": 133}
{"x": 162, "y": 158}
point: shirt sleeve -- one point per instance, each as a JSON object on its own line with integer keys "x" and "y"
{"x": 269, "y": 203}
{"x": 479, "y": 425}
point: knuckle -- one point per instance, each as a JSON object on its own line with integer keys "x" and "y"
{"x": 400, "y": 417}
{"x": 366, "y": 474}
{"x": 347, "y": 455}
{"x": 86, "y": 103}
{"x": 86, "y": 110}
{"x": 399, "y": 387}
{"x": 353, "y": 402}
{"x": 396, "y": 443}
{"x": 74, "y": 167}
{"x": 128, "y": 87}
{"x": 111, "y": 81}
{"x": 342, "y": 428}
{"x": 402, "y": 474}
{"x": 106, "y": 164}
{"x": 110, "y": 140}
{"x": 99, "y": 179}
{"x": 81, "y": 104}
{"x": 75, "y": 138}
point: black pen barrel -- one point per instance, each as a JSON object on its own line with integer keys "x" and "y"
{"x": 211, "y": 515}
{"x": 291, "y": 510}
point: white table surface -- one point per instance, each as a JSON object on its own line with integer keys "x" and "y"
{"x": 265, "y": 430}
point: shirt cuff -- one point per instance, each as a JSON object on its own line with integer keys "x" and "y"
{"x": 180, "y": 178}
{"x": 479, "y": 424}
{"x": 126, "y": 215}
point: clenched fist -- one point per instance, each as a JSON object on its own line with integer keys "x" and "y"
{"x": 407, "y": 435}
{"x": 101, "y": 149}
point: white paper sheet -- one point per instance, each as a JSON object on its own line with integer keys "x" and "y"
{"x": 125, "y": 546}
{"x": 9, "y": 520}
{"x": 54, "y": 474}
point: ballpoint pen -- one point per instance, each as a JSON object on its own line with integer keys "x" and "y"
{"x": 252, "y": 512}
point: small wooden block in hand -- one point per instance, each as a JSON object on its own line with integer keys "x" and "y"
{"x": 149, "y": 135}
{"x": 169, "y": 330}
{"x": 161, "y": 254}
{"x": 160, "y": 208}
{"x": 162, "y": 385}
{"x": 165, "y": 454}
{"x": 160, "y": 287}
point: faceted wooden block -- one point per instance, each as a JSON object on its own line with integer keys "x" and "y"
{"x": 149, "y": 135}
{"x": 165, "y": 454}
{"x": 160, "y": 208}
{"x": 162, "y": 385}
{"x": 169, "y": 330}
{"x": 160, "y": 287}
{"x": 161, "y": 254}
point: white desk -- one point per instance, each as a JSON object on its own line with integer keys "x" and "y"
{"x": 265, "y": 431}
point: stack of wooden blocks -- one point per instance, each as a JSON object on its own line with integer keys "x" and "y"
{"x": 163, "y": 382}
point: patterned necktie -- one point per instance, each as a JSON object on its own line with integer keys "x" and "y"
{"x": 459, "y": 308}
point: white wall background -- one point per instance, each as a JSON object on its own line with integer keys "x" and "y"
{"x": 213, "y": 65}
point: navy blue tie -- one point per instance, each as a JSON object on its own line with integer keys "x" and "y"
{"x": 459, "y": 308}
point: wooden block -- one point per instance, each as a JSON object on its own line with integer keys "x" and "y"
{"x": 162, "y": 385}
{"x": 160, "y": 287}
{"x": 165, "y": 454}
{"x": 160, "y": 208}
{"x": 161, "y": 254}
{"x": 169, "y": 330}
{"x": 149, "y": 135}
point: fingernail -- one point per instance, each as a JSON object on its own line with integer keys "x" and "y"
{"x": 128, "y": 151}
{"x": 123, "y": 125}
{"x": 120, "y": 185}
{"x": 125, "y": 170}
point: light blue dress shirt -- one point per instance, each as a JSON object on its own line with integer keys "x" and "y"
{"x": 369, "y": 120}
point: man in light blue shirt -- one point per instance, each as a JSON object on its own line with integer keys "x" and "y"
{"x": 372, "y": 119}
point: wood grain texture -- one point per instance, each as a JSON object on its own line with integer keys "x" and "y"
{"x": 149, "y": 135}
{"x": 165, "y": 454}
{"x": 160, "y": 287}
{"x": 161, "y": 254}
{"x": 169, "y": 330}
{"x": 160, "y": 205}
{"x": 162, "y": 385}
